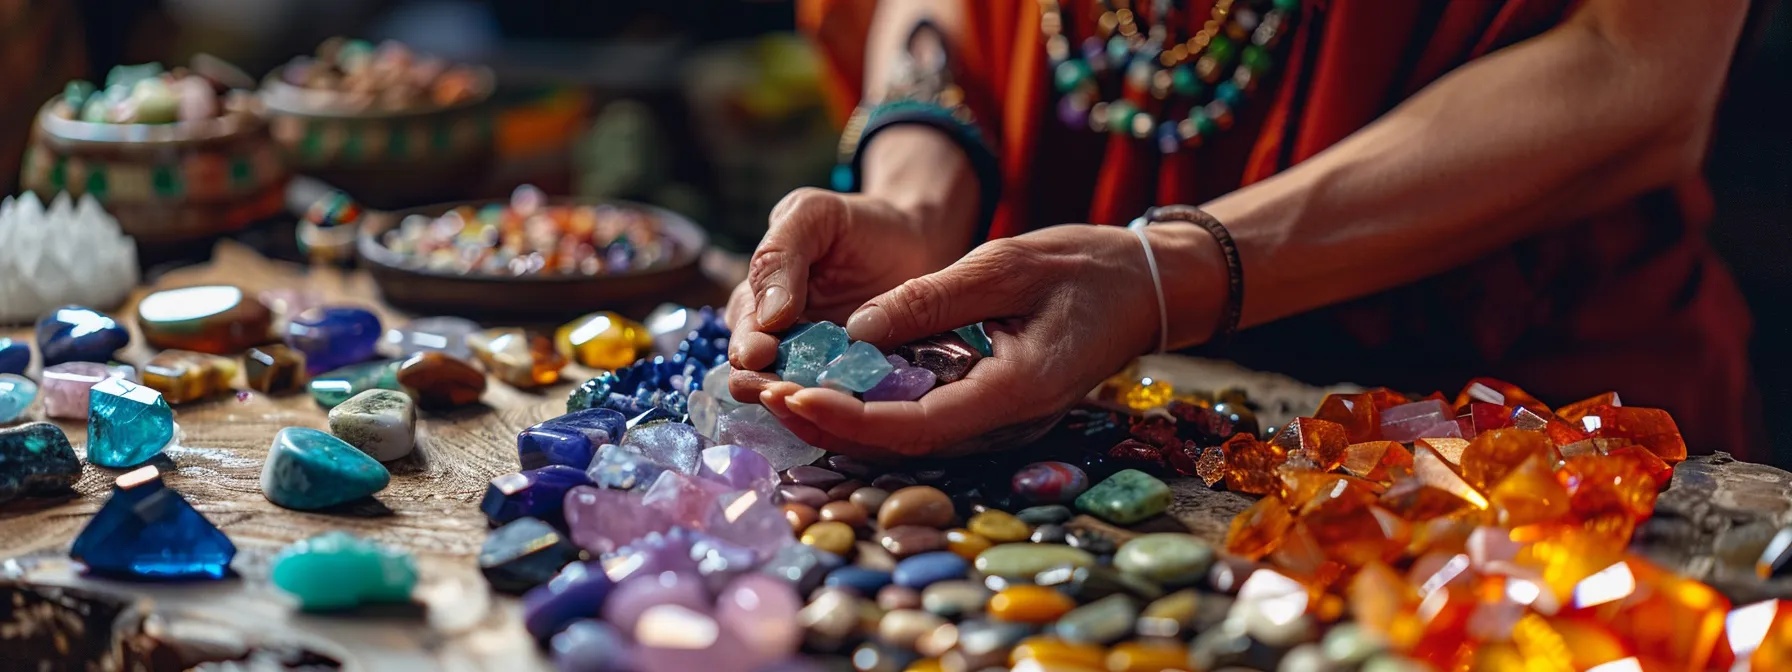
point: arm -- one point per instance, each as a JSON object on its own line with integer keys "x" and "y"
{"x": 1615, "y": 101}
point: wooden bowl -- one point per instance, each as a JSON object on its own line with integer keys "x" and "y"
{"x": 529, "y": 297}
{"x": 384, "y": 158}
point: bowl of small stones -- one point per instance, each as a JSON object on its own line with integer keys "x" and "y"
{"x": 529, "y": 256}
{"x": 392, "y": 127}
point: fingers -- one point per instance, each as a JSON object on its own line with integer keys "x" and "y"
{"x": 746, "y": 385}
{"x": 803, "y": 227}
{"x": 992, "y": 282}
{"x": 951, "y": 414}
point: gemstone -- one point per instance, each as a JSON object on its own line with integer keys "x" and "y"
{"x": 1530, "y": 492}
{"x": 1423, "y": 419}
{"x": 1251, "y": 464}
{"x": 1648, "y": 427}
{"x": 904, "y": 627}
{"x": 865, "y": 582}
{"x": 810, "y": 496}
{"x": 669, "y": 324}
{"x": 381, "y": 423}
{"x": 334, "y": 336}
{"x": 66, "y": 387}
{"x": 539, "y": 493}
{"x": 1029, "y": 604}
{"x": 336, "y": 570}
{"x": 307, "y": 469}
{"x": 655, "y": 552}
{"x": 623, "y": 470}
{"x": 1599, "y": 485}
{"x": 79, "y": 334}
{"x": 633, "y": 596}
{"x": 905, "y": 383}
{"x": 1174, "y": 615}
{"x": 673, "y": 444}
{"x": 761, "y": 611}
{"x": 337, "y": 386}
{"x": 517, "y": 357}
{"x": 1147, "y": 656}
{"x": 274, "y": 368}
{"x": 600, "y": 520}
{"x": 182, "y": 375}
{"x": 1378, "y": 461}
{"x": 1050, "y": 482}
{"x": 1499, "y": 392}
{"x": 916, "y": 505}
{"x": 1127, "y": 497}
{"x": 750, "y": 520}
{"x": 922, "y": 570}
{"x": 603, "y": 340}
{"x": 286, "y": 304}
{"x": 15, "y": 356}
{"x": 576, "y": 592}
{"x": 523, "y": 554}
{"x": 800, "y": 516}
{"x": 438, "y": 381}
{"x": 999, "y": 526}
{"x": 1321, "y": 441}
{"x": 147, "y": 530}
{"x": 842, "y": 511}
{"x": 904, "y": 541}
{"x": 589, "y": 645}
{"x": 1099, "y": 622}
{"x": 949, "y": 356}
{"x": 447, "y": 335}
{"x": 214, "y": 319}
{"x": 1170, "y": 559}
{"x": 858, "y": 369}
{"x": 1027, "y": 560}
{"x": 804, "y": 354}
{"x": 35, "y": 459}
{"x": 16, "y": 395}
{"x": 571, "y": 439}
{"x": 751, "y": 426}
{"x": 830, "y": 536}
{"x": 976, "y": 337}
{"x": 705, "y": 410}
{"x": 127, "y": 424}
{"x": 1491, "y": 455}
{"x": 1435, "y": 489}
{"x": 801, "y": 565}
{"x": 1580, "y": 409}
{"x": 952, "y": 598}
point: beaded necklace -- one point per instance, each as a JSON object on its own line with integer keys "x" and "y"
{"x": 1175, "y": 91}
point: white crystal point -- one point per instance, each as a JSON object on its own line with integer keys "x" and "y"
{"x": 74, "y": 252}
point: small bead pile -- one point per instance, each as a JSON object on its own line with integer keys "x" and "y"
{"x": 666, "y": 381}
{"x": 146, "y": 94}
{"x": 390, "y": 77}
{"x": 530, "y": 237}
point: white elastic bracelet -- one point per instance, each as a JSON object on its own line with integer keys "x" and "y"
{"x": 1157, "y": 283}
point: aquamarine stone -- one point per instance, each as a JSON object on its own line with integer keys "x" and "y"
{"x": 337, "y": 570}
{"x": 127, "y": 423}
{"x": 16, "y": 393}
{"x": 977, "y": 337}
{"x": 308, "y": 469}
{"x": 809, "y": 351}
{"x": 148, "y": 531}
{"x": 859, "y": 369}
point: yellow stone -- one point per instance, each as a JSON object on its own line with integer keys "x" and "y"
{"x": 1259, "y": 529}
{"x": 925, "y": 665}
{"x": 831, "y": 536}
{"x": 1029, "y": 604}
{"x": 1495, "y": 453}
{"x": 183, "y": 375}
{"x": 1157, "y": 656}
{"x": 1146, "y": 393}
{"x": 1529, "y": 493}
{"x": 966, "y": 544}
{"x": 603, "y": 340}
{"x": 1053, "y": 650}
{"x": 999, "y": 527}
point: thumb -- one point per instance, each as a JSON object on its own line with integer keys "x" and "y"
{"x": 989, "y": 283}
{"x": 803, "y": 226}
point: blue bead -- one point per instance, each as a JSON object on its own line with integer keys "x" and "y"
{"x": 147, "y": 530}
{"x": 570, "y": 439}
{"x": 578, "y": 591}
{"x": 308, "y": 469}
{"x": 537, "y": 493}
{"x": 1168, "y": 140}
{"x": 865, "y": 581}
{"x": 922, "y": 570}
{"x": 79, "y": 334}
{"x": 36, "y": 459}
{"x": 334, "y": 337}
{"x": 15, "y": 356}
{"x": 127, "y": 423}
{"x": 523, "y": 554}
{"x": 1228, "y": 92}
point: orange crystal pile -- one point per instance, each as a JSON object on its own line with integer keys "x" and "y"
{"x": 1489, "y": 533}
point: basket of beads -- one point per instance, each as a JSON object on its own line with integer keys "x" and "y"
{"x": 393, "y": 128}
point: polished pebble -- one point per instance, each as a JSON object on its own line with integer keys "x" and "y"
{"x": 872, "y": 556}
{"x": 1050, "y": 482}
{"x": 955, "y": 598}
{"x": 1148, "y": 656}
{"x": 1170, "y": 559}
{"x": 1043, "y": 649}
{"x": 1099, "y": 622}
{"x": 1046, "y": 514}
{"x": 893, "y": 597}
{"x": 813, "y": 476}
{"x": 1029, "y": 604}
{"x": 926, "y": 569}
{"x": 843, "y": 491}
{"x": 845, "y": 512}
{"x": 906, "y": 540}
{"x": 999, "y": 527}
{"x": 916, "y": 505}
{"x": 1024, "y": 561}
{"x": 966, "y": 544}
{"x": 802, "y": 494}
{"x": 865, "y": 582}
{"x": 868, "y": 497}
{"x": 833, "y": 537}
{"x": 1127, "y": 497}
{"x": 801, "y": 516}
{"x": 892, "y": 482}
{"x": 1096, "y": 582}
{"x": 1048, "y": 534}
{"x": 904, "y": 627}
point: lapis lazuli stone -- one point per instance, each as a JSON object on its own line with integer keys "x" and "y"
{"x": 538, "y": 493}
{"x": 127, "y": 423}
{"x": 79, "y": 334}
{"x": 809, "y": 351}
{"x": 149, "y": 531}
{"x": 334, "y": 336}
{"x": 308, "y": 469}
{"x": 36, "y": 459}
{"x": 570, "y": 439}
{"x": 863, "y": 580}
{"x": 16, "y": 394}
{"x": 859, "y": 369}
{"x": 15, "y": 356}
{"x": 523, "y": 554}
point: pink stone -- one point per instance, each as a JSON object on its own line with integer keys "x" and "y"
{"x": 761, "y": 611}
{"x": 602, "y": 520}
{"x": 674, "y": 637}
{"x": 738, "y": 468}
{"x": 1431, "y": 419}
{"x": 749, "y": 519}
{"x": 65, "y": 386}
{"x": 684, "y": 500}
{"x": 636, "y": 594}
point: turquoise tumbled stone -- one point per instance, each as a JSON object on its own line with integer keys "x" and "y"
{"x": 127, "y": 423}
{"x": 1127, "y": 497}
{"x": 977, "y": 337}
{"x": 36, "y": 459}
{"x": 808, "y": 352}
{"x": 16, "y": 393}
{"x": 861, "y": 368}
{"x": 337, "y": 570}
{"x": 309, "y": 469}
{"x": 149, "y": 531}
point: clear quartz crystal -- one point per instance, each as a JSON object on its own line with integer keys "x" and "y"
{"x": 68, "y": 254}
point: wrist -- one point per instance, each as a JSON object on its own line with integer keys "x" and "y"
{"x": 1193, "y": 270}
{"x": 921, "y": 173}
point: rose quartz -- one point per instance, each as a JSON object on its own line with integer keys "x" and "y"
{"x": 65, "y": 386}
{"x": 761, "y": 611}
{"x": 602, "y": 520}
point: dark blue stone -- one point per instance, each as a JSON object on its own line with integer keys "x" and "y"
{"x": 570, "y": 439}
{"x": 36, "y": 459}
{"x": 865, "y": 581}
{"x": 920, "y": 571}
{"x": 79, "y": 334}
{"x": 15, "y": 356}
{"x": 578, "y": 591}
{"x": 334, "y": 336}
{"x": 148, "y": 531}
{"x": 537, "y": 493}
{"x": 651, "y": 416}
{"x": 523, "y": 554}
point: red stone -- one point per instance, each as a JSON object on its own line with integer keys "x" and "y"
{"x": 1184, "y": 458}
{"x": 1355, "y": 412}
{"x": 1485, "y": 417}
{"x": 1651, "y": 464}
{"x": 1650, "y": 428}
{"x": 1495, "y": 391}
{"x": 1577, "y": 410}
{"x": 1598, "y": 484}
{"x": 1430, "y": 418}
{"x": 1200, "y": 423}
{"x": 1156, "y": 430}
{"x": 1138, "y": 452}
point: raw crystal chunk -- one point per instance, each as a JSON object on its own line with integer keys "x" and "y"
{"x": 1598, "y": 485}
{"x": 674, "y": 444}
{"x": 684, "y": 500}
{"x": 66, "y": 387}
{"x": 947, "y": 355}
{"x": 1321, "y": 441}
{"x": 1378, "y": 461}
{"x": 1577, "y": 410}
{"x": 307, "y": 469}
{"x": 1648, "y": 427}
{"x": 1259, "y": 529}
{"x": 16, "y": 394}
{"x": 64, "y": 253}
{"x": 127, "y": 424}
{"x": 602, "y": 520}
{"x": 438, "y": 381}
{"x": 754, "y": 427}
{"x": 182, "y": 376}
{"x": 905, "y": 383}
{"x": 705, "y": 410}
{"x": 603, "y": 340}
{"x": 571, "y": 439}
{"x": 1250, "y": 464}
{"x": 337, "y": 570}
{"x": 36, "y": 459}
{"x": 274, "y": 368}
{"x": 519, "y": 358}
{"x": 447, "y": 335}
{"x": 338, "y": 386}
{"x": 148, "y": 531}
{"x": 1487, "y": 459}
{"x": 538, "y": 493}
{"x": 749, "y": 519}
{"x": 1435, "y": 489}
{"x": 333, "y": 337}
{"x": 1355, "y": 412}
{"x": 804, "y": 354}
{"x": 1529, "y": 492}
{"x": 976, "y": 337}
{"x": 623, "y": 470}
{"x": 15, "y": 356}
{"x": 214, "y": 319}
{"x": 79, "y": 334}
{"x": 382, "y": 423}
{"x": 523, "y": 554}
{"x": 1424, "y": 419}
{"x": 1499, "y": 392}
{"x": 738, "y": 468}
{"x": 859, "y": 369}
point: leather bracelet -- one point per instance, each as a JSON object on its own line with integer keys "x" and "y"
{"x": 1229, "y": 316}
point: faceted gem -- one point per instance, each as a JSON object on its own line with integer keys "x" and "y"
{"x": 623, "y": 470}
{"x": 858, "y": 369}
{"x": 1529, "y": 492}
{"x": 1600, "y": 485}
{"x": 79, "y": 334}
{"x": 1580, "y": 409}
{"x": 1050, "y": 482}
{"x": 1027, "y": 560}
{"x": 147, "y": 530}
{"x": 1423, "y": 419}
{"x": 66, "y": 387}
{"x": 35, "y": 459}
{"x": 127, "y": 424}
{"x": 1356, "y": 413}
{"x": 1434, "y": 490}
{"x": 922, "y": 505}
{"x": 1169, "y": 559}
{"x": 949, "y": 356}
{"x": 1127, "y": 497}
{"x": 16, "y": 394}
{"x": 335, "y": 571}
{"x": 1321, "y": 441}
{"x": 182, "y": 376}
{"x": 571, "y": 439}
{"x": 1378, "y": 461}
{"x": 1354, "y": 532}
{"x": 523, "y": 554}
{"x": 602, "y": 520}
{"x": 738, "y": 468}
{"x": 673, "y": 444}
{"x": 519, "y": 358}
{"x": 603, "y": 340}
{"x": 1648, "y": 427}
{"x": 334, "y": 336}
{"x": 905, "y": 383}
{"x": 214, "y": 319}
{"x": 1251, "y": 464}
{"x": 1498, "y": 392}
{"x": 381, "y": 423}
{"x": 804, "y": 355}
{"x": 274, "y": 368}
{"x": 447, "y": 335}
{"x": 1029, "y": 604}
{"x": 578, "y": 591}
{"x": 307, "y": 469}
{"x": 335, "y": 387}
{"x": 750, "y": 520}
{"x": 1259, "y": 529}
{"x": 438, "y": 381}
{"x": 752, "y": 426}
{"x": 15, "y": 356}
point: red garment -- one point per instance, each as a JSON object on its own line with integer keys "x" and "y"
{"x": 1632, "y": 300}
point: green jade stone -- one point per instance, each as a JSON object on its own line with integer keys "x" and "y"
{"x": 1127, "y": 497}
{"x": 810, "y": 351}
{"x": 335, "y": 571}
{"x": 1166, "y": 558}
{"x": 860, "y": 369}
{"x": 1100, "y": 622}
{"x": 127, "y": 423}
{"x": 337, "y": 386}
{"x": 975, "y": 335}
{"x": 1026, "y": 560}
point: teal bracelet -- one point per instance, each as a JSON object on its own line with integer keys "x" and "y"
{"x": 954, "y": 122}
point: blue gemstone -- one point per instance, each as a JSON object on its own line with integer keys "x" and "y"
{"x": 127, "y": 423}
{"x": 809, "y": 351}
{"x": 15, "y": 356}
{"x": 578, "y": 591}
{"x": 334, "y": 337}
{"x": 16, "y": 393}
{"x": 523, "y": 554}
{"x": 538, "y": 493}
{"x": 570, "y": 439}
{"x": 308, "y": 469}
{"x": 860, "y": 369}
{"x": 147, "y": 530}
{"x": 620, "y": 469}
{"x": 920, "y": 571}
{"x": 79, "y": 334}
{"x": 864, "y": 581}
{"x": 36, "y": 459}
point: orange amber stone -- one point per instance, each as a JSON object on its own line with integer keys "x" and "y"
{"x": 1211, "y": 466}
{"x": 1598, "y": 484}
{"x": 1300, "y": 553}
{"x": 1529, "y": 493}
{"x": 1322, "y": 441}
{"x": 1566, "y": 557}
{"x": 1053, "y": 650}
{"x": 1651, "y": 464}
{"x": 1384, "y": 398}
{"x": 1577, "y": 410}
{"x": 1259, "y": 529}
{"x": 1383, "y": 602}
{"x": 1447, "y": 533}
{"x": 1669, "y": 618}
{"x": 440, "y": 381}
{"x": 1650, "y": 428}
{"x": 1487, "y": 459}
{"x": 1251, "y": 464}
{"x": 1356, "y": 413}
{"x": 1447, "y": 448}
{"x": 1558, "y": 431}
{"x": 1765, "y": 630}
{"x": 1302, "y": 488}
{"x": 1378, "y": 461}
{"x": 1356, "y": 533}
{"x": 1435, "y": 489}
{"x": 183, "y": 375}
{"x": 1494, "y": 391}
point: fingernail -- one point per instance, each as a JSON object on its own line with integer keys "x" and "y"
{"x": 869, "y": 324}
{"x": 772, "y": 302}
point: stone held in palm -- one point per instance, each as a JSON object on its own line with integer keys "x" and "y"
{"x": 751, "y": 426}
{"x": 947, "y": 355}
{"x": 382, "y": 423}
{"x": 804, "y": 354}
{"x": 858, "y": 369}
{"x": 905, "y": 383}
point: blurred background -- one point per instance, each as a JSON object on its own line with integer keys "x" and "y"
{"x": 712, "y": 108}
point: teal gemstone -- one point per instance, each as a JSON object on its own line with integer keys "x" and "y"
{"x": 337, "y": 570}
{"x": 841, "y": 178}
{"x": 1257, "y": 59}
{"x": 127, "y": 423}
{"x": 861, "y": 368}
{"x": 1229, "y": 93}
{"x": 1204, "y": 125}
{"x": 1120, "y": 114}
{"x": 1184, "y": 82}
{"x": 336, "y": 386}
{"x": 1071, "y": 74}
{"x": 977, "y": 337}
{"x": 1127, "y": 497}
{"x": 36, "y": 459}
{"x": 16, "y": 393}
{"x": 308, "y": 469}
{"x": 810, "y": 351}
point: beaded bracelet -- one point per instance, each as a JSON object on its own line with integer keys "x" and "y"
{"x": 1229, "y": 316}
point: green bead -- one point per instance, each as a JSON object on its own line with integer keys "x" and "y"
{"x": 240, "y": 172}
{"x": 1257, "y": 59}
{"x": 96, "y": 182}
{"x": 1204, "y": 125}
{"x": 1127, "y": 497}
{"x": 337, "y": 570}
{"x": 165, "y": 180}
{"x": 1184, "y": 82}
{"x": 1072, "y": 74}
{"x": 1221, "y": 48}
{"x": 1120, "y": 114}
{"x": 1287, "y": 5}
